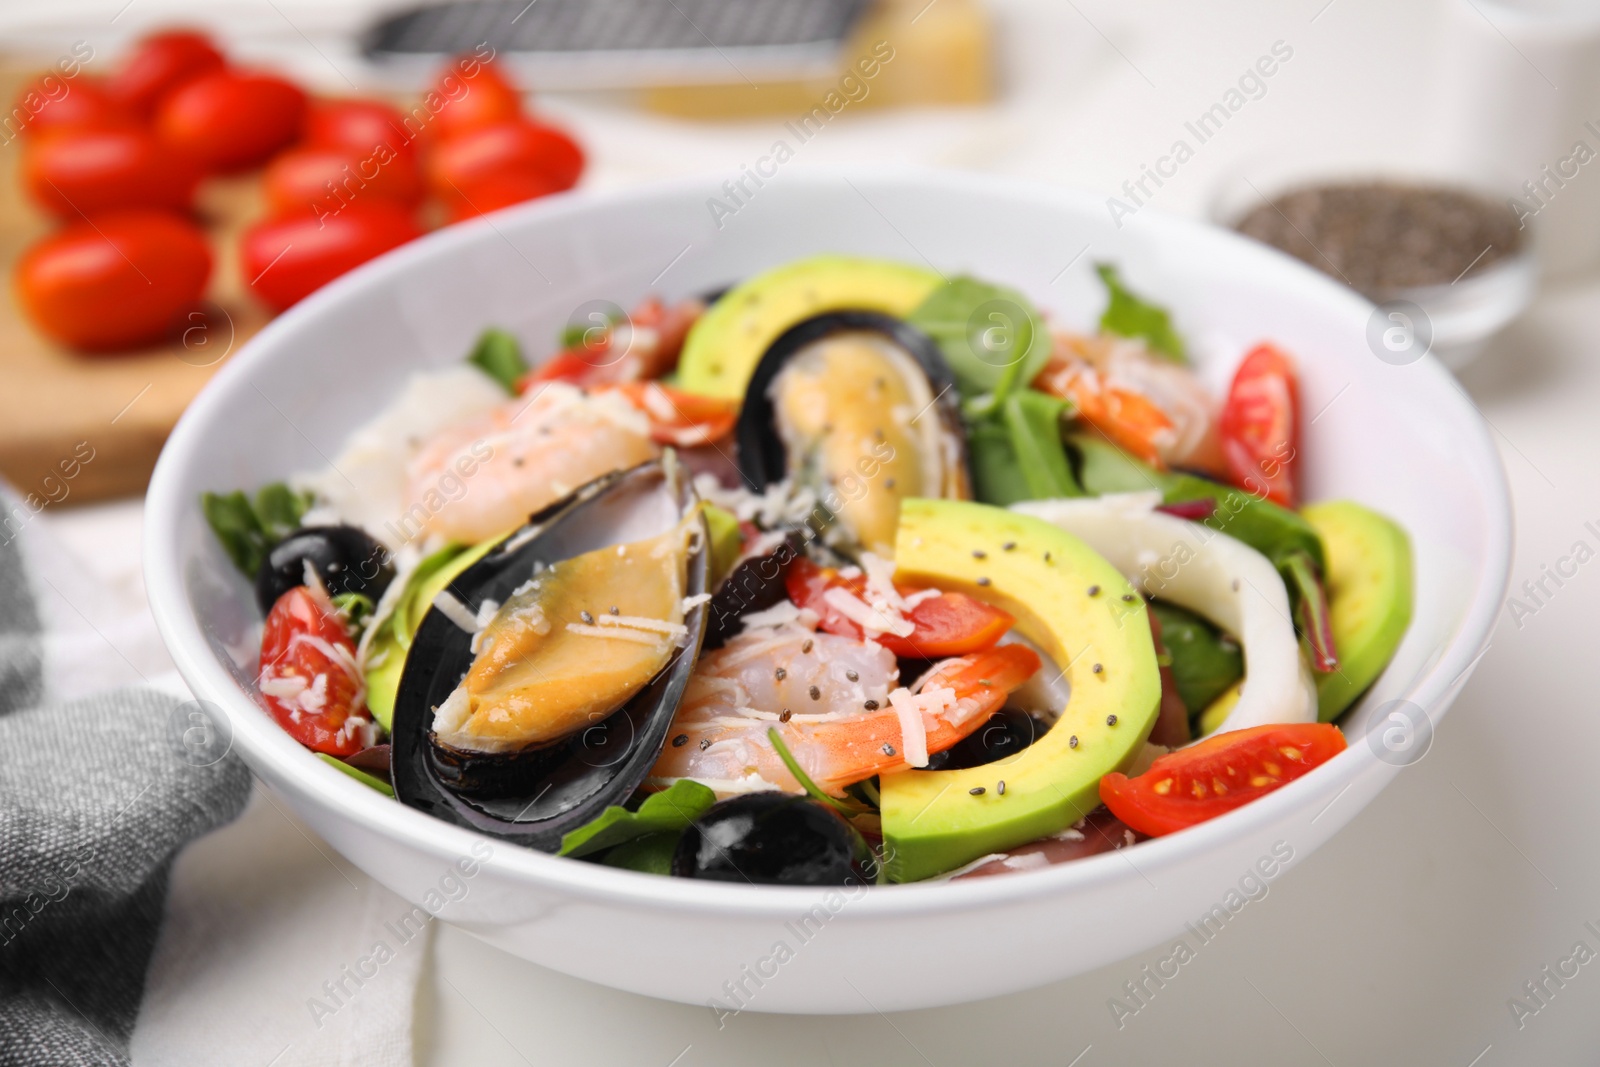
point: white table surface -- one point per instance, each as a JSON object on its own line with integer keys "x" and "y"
{"x": 1403, "y": 939}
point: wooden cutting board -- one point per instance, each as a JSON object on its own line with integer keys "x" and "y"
{"x": 57, "y": 406}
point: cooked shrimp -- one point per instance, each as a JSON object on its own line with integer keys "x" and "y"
{"x": 1154, "y": 408}
{"x": 837, "y": 704}
{"x": 482, "y": 477}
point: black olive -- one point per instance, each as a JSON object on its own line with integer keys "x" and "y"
{"x": 1005, "y": 734}
{"x": 346, "y": 558}
{"x": 773, "y": 839}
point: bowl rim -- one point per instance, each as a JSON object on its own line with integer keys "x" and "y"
{"x": 285, "y": 765}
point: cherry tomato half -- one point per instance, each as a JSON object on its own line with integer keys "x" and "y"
{"x": 680, "y": 419}
{"x": 119, "y": 282}
{"x": 231, "y": 120}
{"x": 73, "y": 172}
{"x": 288, "y": 257}
{"x": 359, "y": 125}
{"x": 53, "y": 102}
{"x": 159, "y": 64}
{"x": 1223, "y": 772}
{"x": 950, "y": 624}
{"x": 475, "y": 94}
{"x": 469, "y": 162}
{"x": 311, "y": 693}
{"x": 323, "y": 179}
{"x": 1260, "y": 425}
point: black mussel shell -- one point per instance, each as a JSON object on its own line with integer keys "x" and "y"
{"x": 534, "y": 797}
{"x": 346, "y": 558}
{"x": 763, "y": 458}
{"x": 755, "y": 584}
{"x": 773, "y": 839}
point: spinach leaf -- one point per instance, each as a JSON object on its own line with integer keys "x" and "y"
{"x": 1129, "y": 315}
{"x": 667, "y": 811}
{"x": 1205, "y": 661}
{"x": 991, "y": 336}
{"x": 499, "y": 356}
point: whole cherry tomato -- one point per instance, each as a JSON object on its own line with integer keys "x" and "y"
{"x": 288, "y": 257}
{"x": 118, "y": 282}
{"x": 360, "y": 125}
{"x": 159, "y": 64}
{"x": 308, "y": 677}
{"x": 496, "y": 192}
{"x": 323, "y": 180}
{"x": 480, "y": 157}
{"x": 72, "y": 172}
{"x": 231, "y": 120}
{"x": 53, "y": 102}
{"x": 475, "y": 93}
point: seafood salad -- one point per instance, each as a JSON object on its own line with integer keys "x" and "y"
{"x": 851, "y": 572}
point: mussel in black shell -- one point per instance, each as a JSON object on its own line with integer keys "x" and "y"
{"x": 861, "y": 409}
{"x": 540, "y": 685}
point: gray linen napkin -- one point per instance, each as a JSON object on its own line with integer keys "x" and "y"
{"x": 97, "y": 795}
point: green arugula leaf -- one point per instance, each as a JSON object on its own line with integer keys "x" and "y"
{"x": 279, "y": 509}
{"x": 369, "y": 780}
{"x": 249, "y": 530}
{"x": 670, "y": 810}
{"x": 1033, "y": 422}
{"x": 651, "y": 854}
{"x": 1129, "y": 315}
{"x": 234, "y": 522}
{"x": 992, "y": 337}
{"x": 499, "y": 356}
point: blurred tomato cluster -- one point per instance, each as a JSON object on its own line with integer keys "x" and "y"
{"x": 118, "y": 161}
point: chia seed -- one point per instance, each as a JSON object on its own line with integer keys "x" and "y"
{"x": 1383, "y": 237}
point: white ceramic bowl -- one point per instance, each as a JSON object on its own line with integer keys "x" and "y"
{"x": 1400, "y": 438}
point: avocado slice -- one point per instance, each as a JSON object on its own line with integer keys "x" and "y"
{"x": 394, "y": 638}
{"x": 1369, "y": 583}
{"x": 725, "y": 344}
{"x": 1082, "y": 614}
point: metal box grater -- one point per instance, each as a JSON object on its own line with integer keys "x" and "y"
{"x": 583, "y": 44}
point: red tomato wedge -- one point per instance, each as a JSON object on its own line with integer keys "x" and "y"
{"x": 678, "y": 418}
{"x": 1260, "y": 425}
{"x": 950, "y": 624}
{"x": 1189, "y": 786}
{"x": 309, "y": 679}
{"x": 654, "y": 337}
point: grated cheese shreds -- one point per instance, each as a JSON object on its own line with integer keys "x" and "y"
{"x": 880, "y": 582}
{"x": 781, "y": 612}
{"x": 456, "y": 611}
{"x": 871, "y": 620}
{"x": 640, "y": 622}
{"x": 692, "y": 602}
{"x": 621, "y": 633}
{"x": 921, "y": 596}
{"x": 288, "y": 686}
{"x": 913, "y": 735}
